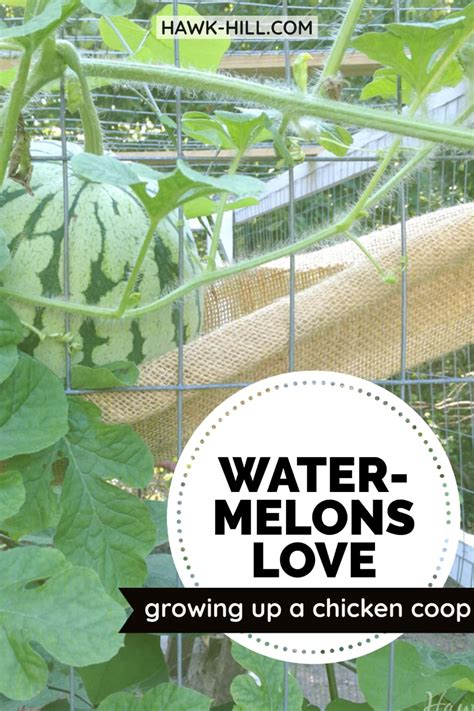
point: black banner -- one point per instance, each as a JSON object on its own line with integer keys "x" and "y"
{"x": 286, "y": 610}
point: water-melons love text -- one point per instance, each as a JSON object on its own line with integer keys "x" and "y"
{"x": 339, "y": 510}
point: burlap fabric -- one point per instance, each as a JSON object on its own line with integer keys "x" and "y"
{"x": 347, "y": 319}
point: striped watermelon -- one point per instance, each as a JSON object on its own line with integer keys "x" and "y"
{"x": 106, "y": 227}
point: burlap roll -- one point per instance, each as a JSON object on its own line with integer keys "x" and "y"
{"x": 347, "y": 319}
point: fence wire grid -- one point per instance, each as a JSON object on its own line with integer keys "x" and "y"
{"x": 441, "y": 391}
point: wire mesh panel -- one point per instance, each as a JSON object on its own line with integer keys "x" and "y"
{"x": 440, "y": 390}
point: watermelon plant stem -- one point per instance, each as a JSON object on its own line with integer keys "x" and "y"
{"x": 341, "y": 43}
{"x": 332, "y": 683}
{"x": 14, "y": 108}
{"x": 216, "y": 232}
{"x": 285, "y": 100}
{"x": 132, "y": 280}
{"x": 88, "y": 112}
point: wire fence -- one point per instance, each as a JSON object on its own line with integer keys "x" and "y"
{"x": 441, "y": 390}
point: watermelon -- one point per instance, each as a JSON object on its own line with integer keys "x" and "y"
{"x": 107, "y": 225}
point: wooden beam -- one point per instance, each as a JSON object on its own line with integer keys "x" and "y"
{"x": 193, "y": 156}
{"x": 355, "y": 63}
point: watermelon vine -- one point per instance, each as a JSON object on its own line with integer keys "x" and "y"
{"x": 71, "y": 530}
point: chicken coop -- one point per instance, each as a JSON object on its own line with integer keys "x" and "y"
{"x": 401, "y": 317}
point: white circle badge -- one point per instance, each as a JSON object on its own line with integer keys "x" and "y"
{"x": 313, "y": 480}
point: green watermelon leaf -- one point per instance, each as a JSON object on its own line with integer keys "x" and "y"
{"x": 40, "y": 509}
{"x": 8, "y": 361}
{"x": 125, "y": 29}
{"x": 269, "y": 693}
{"x": 200, "y": 53}
{"x": 31, "y": 389}
{"x": 112, "y": 375}
{"x": 12, "y": 493}
{"x": 5, "y": 256}
{"x": 164, "y": 696}
{"x": 335, "y": 139}
{"x": 344, "y": 705}
{"x": 11, "y": 330}
{"x": 107, "y": 169}
{"x": 418, "y": 670}
{"x": 175, "y": 189}
{"x": 140, "y": 658}
{"x": 228, "y": 129}
{"x": 102, "y": 526}
{"x": 161, "y": 571}
{"x": 245, "y": 127}
{"x": 185, "y": 184}
{"x": 110, "y": 7}
{"x": 203, "y": 207}
{"x": 45, "y": 600}
{"x": 158, "y": 512}
{"x": 206, "y": 129}
{"x": 123, "y": 35}
{"x": 416, "y": 51}
{"x": 45, "y": 20}
{"x": 11, "y": 333}
{"x": 107, "y": 451}
{"x": 385, "y": 85}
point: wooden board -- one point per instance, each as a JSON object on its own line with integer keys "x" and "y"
{"x": 355, "y": 63}
{"x": 205, "y": 155}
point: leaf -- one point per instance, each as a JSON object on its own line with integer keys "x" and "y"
{"x": 110, "y": 7}
{"x": 40, "y": 508}
{"x": 31, "y": 389}
{"x": 158, "y": 512}
{"x": 5, "y": 256}
{"x": 202, "y": 53}
{"x": 185, "y": 184}
{"x": 140, "y": 658}
{"x": 175, "y": 189}
{"x": 206, "y": 129}
{"x": 384, "y": 84}
{"x": 335, "y": 139}
{"x": 12, "y": 493}
{"x": 47, "y": 18}
{"x": 269, "y": 693}
{"x": 112, "y": 375}
{"x": 308, "y": 706}
{"x": 245, "y": 127}
{"x": 8, "y": 361}
{"x": 122, "y": 35}
{"x": 418, "y": 670}
{"x": 103, "y": 526}
{"x": 107, "y": 451}
{"x": 416, "y": 50}
{"x": 45, "y": 600}
{"x": 161, "y": 571}
{"x": 204, "y": 207}
{"x": 163, "y": 696}
{"x": 300, "y": 71}
{"x": 11, "y": 330}
{"x": 11, "y": 333}
{"x": 344, "y": 705}
{"x": 107, "y": 169}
